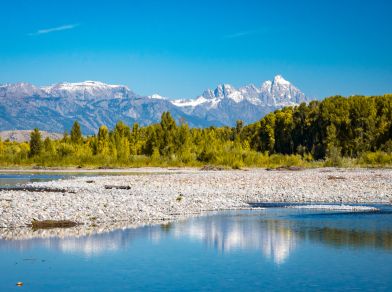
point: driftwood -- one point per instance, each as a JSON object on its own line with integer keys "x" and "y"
{"x": 289, "y": 168}
{"x": 109, "y": 187}
{"x": 334, "y": 177}
{"x": 47, "y": 224}
{"x": 36, "y": 189}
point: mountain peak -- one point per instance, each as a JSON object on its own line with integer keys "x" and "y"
{"x": 18, "y": 90}
{"x": 276, "y": 93}
{"x": 278, "y": 79}
{"x": 94, "y": 103}
{"x": 87, "y": 90}
{"x": 83, "y": 85}
{"x": 223, "y": 90}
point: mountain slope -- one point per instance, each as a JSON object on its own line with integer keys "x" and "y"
{"x": 54, "y": 108}
{"x": 228, "y": 104}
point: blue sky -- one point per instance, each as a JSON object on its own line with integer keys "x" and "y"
{"x": 179, "y": 48}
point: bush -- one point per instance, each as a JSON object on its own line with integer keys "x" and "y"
{"x": 378, "y": 158}
{"x": 334, "y": 157}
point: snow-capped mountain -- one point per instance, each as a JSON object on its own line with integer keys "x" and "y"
{"x": 88, "y": 90}
{"x": 227, "y": 104}
{"x": 54, "y": 108}
{"x": 278, "y": 92}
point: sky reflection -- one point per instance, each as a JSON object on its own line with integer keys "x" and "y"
{"x": 275, "y": 233}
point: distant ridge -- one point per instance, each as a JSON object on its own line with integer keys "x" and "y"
{"x": 54, "y": 108}
{"x": 24, "y": 135}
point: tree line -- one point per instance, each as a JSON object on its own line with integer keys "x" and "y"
{"x": 335, "y": 131}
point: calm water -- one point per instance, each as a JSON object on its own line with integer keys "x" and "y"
{"x": 11, "y": 179}
{"x": 273, "y": 249}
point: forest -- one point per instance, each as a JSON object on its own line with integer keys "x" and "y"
{"x": 337, "y": 131}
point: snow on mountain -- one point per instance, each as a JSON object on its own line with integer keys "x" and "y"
{"x": 284, "y": 92}
{"x": 227, "y": 104}
{"x": 191, "y": 102}
{"x": 54, "y": 108}
{"x": 278, "y": 92}
{"x": 157, "y": 96}
{"x": 88, "y": 90}
{"x": 18, "y": 90}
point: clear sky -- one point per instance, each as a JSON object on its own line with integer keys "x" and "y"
{"x": 180, "y": 48}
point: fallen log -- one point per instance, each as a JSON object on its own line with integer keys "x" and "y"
{"x": 286, "y": 168}
{"x": 36, "y": 189}
{"x": 109, "y": 187}
{"x": 335, "y": 177}
{"x": 47, "y": 224}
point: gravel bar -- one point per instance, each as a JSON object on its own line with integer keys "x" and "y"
{"x": 149, "y": 198}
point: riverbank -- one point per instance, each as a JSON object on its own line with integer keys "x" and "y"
{"x": 161, "y": 195}
{"x": 92, "y": 170}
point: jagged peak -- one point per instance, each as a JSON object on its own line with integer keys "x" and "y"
{"x": 223, "y": 90}
{"x": 208, "y": 94}
{"x": 277, "y": 92}
{"x": 250, "y": 86}
{"x": 278, "y": 79}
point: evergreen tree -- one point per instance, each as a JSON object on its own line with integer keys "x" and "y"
{"x": 35, "y": 143}
{"x": 168, "y": 131}
{"x": 76, "y": 133}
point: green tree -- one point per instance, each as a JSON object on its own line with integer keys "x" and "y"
{"x": 266, "y": 141}
{"x": 76, "y": 133}
{"x": 103, "y": 146}
{"x": 183, "y": 143}
{"x": 35, "y": 143}
{"x": 168, "y": 130}
{"x": 239, "y": 125}
{"x": 2, "y": 147}
{"x": 48, "y": 146}
{"x": 122, "y": 136}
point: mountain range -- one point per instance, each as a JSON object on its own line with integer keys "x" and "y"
{"x": 54, "y": 108}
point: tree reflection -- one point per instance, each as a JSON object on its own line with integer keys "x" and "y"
{"x": 227, "y": 234}
{"x": 276, "y": 237}
{"x": 349, "y": 238}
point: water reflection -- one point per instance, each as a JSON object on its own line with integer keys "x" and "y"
{"x": 229, "y": 233}
{"x": 353, "y": 238}
{"x": 275, "y": 235}
{"x": 87, "y": 241}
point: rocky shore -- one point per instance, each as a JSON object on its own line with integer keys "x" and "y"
{"x": 161, "y": 196}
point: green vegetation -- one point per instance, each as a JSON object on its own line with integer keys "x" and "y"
{"x": 35, "y": 143}
{"x": 338, "y": 131}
